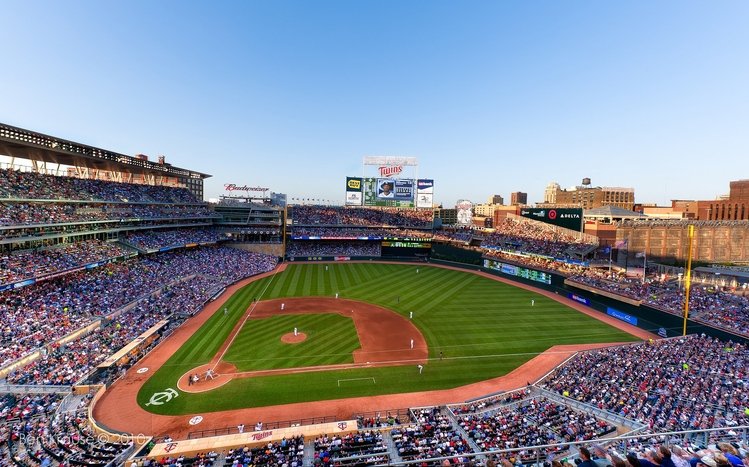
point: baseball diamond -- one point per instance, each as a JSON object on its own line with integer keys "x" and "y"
{"x": 483, "y": 329}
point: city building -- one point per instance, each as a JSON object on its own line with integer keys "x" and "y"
{"x": 550, "y": 193}
{"x": 733, "y": 207}
{"x": 588, "y": 197}
{"x": 668, "y": 240}
{"x": 518, "y": 197}
{"x": 495, "y": 199}
{"x": 484, "y": 210}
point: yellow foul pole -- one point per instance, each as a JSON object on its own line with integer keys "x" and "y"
{"x": 688, "y": 279}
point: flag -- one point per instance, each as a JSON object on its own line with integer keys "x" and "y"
{"x": 620, "y": 244}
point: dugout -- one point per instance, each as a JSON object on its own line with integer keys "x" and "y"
{"x": 129, "y": 353}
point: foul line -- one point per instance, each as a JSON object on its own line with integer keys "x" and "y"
{"x": 239, "y": 329}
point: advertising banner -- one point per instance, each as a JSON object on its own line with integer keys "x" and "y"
{"x": 354, "y": 191}
{"x": 622, "y": 316}
{"x": 568, "y": 218}
{"x": 424, "y": 193}
{"x": 578, "y": 299}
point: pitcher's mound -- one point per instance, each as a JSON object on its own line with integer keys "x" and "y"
{"x": 290, "y": 338}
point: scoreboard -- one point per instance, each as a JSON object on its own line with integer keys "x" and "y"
{"x": 512, "y": 270}
{"x": 394, "y": 192}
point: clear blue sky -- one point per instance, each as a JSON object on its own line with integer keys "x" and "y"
{"x": 492, "y": 97}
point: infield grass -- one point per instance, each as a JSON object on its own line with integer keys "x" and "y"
{"x": 483, "y": 327}
{"x": 258, "y": 345}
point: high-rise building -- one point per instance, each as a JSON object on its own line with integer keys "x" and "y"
{"x": 495, "y": 199}
{"x": 550, "y": 193}
{"x": 518, "y": 197}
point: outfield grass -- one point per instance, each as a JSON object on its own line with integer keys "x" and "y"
{"x": 484, "y": 328}
{"x": 331, "y": 339}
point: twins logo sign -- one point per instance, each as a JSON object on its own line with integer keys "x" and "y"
{"x": 162, "y": 397}
{"x": 342, "y": 425}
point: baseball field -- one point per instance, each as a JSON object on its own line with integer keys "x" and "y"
{"x": 392, "y": 328}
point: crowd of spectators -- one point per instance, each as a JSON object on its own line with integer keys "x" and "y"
{"x": 28, "y": 264}
{"x": 332, "y": 232}
{"x": 48, "y": 436}
{"x": 16, "y": 184}
{"x": 532, "y": 237}
{"x": 457, "y": 235}
{"x": 532, "y": 422}
{"x": 709, "y": 304}
{"x": 664, "y": 452}
{"x": 341, "y": 248}
{"x": 41, "y": 213}
{"x": 374, "y": 216}
{"x": 368, "y": 446}
{"x": 288, "y": 452}
{"x": 433, "y": 435}
{"x": 68, "y": 363}
{"x": 155, "y": 239}
{"x": 39, "y": 314}
{"x": 30, "y": 233}
{"x": 694, "y": 382}
{"x": 487, "y": 403}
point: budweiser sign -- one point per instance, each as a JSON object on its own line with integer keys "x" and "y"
{"x": 390, "y": 170}
{"x": 235, "y": 187}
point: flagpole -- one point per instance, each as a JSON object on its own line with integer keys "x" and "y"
{"x": 644, "y": 265}
{"x": 610, "y": 250}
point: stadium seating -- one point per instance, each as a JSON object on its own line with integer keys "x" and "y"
{"x": 39, "y": 314}
{"x": 16, "y": 184}
{"x": 693, "y": 382}
{"x": 351, "y": 216}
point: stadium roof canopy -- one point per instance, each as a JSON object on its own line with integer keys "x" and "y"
{"x": 26, "y": 144}
{"x": 724, "y": 272}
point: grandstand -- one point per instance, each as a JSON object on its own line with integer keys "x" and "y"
{"x": 105, "y": 255}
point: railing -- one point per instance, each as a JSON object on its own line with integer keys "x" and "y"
{"x": 34, "y": 389}
{"x": 398, "y": 414}
{"x": 591, "y": 409}
{"x": 230, "y": 430}
{"x": 620, "y": 442}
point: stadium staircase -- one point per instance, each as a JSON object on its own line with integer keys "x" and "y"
{"x": 456, "y": 425}
{"x": 392, "y": 450}
{"x": 309, "y": 453}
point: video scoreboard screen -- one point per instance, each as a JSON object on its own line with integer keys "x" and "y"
{"x": 394, "y": 192}
{"x": 407, "y": 244}
{"x": 512, "y": 270}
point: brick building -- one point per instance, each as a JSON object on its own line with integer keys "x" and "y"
{"x": 733, "y": 207}
{"x": 590, "y": 197}
{"x": 518, "y": 197}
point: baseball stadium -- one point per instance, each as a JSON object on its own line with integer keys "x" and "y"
{"x": 142, "y": 325}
